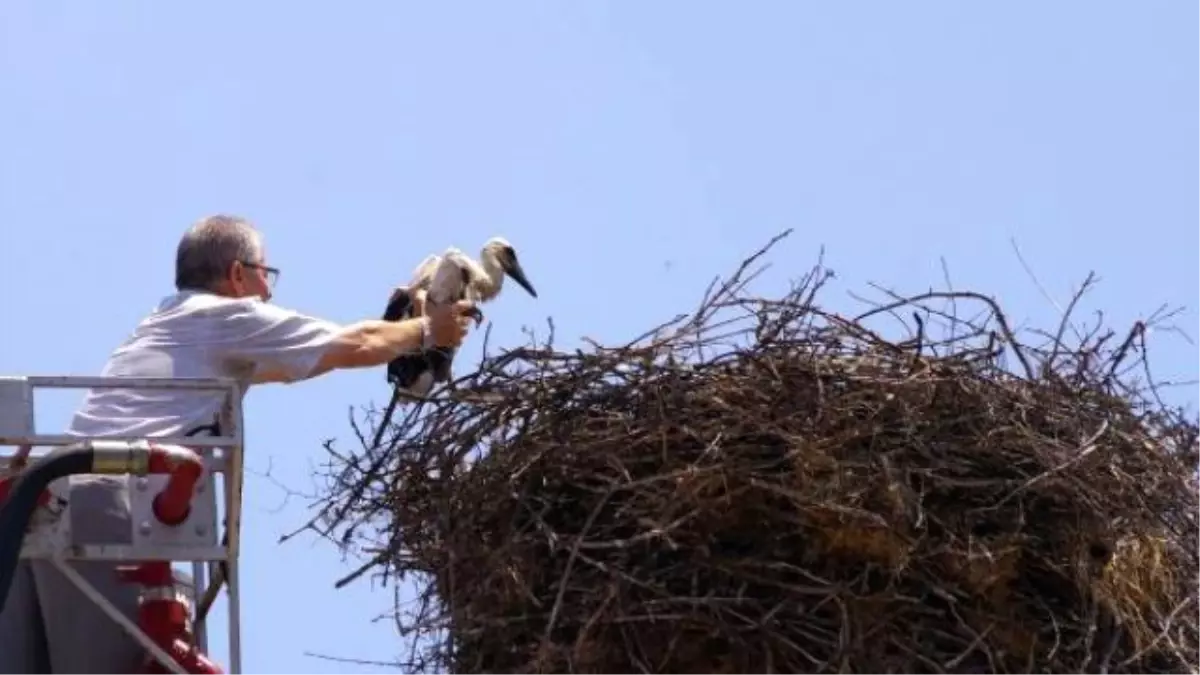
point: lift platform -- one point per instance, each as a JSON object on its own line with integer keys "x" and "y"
{"x": 207, "y": 535}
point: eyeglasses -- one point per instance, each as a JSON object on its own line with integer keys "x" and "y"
{"x": 272, "y": 273}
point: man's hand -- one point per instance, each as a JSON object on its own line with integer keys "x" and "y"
{"x": 448, "y": 324}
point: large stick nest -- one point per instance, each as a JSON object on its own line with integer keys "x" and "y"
{"x": 766, "y": 486}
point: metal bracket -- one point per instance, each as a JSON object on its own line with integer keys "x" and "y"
{"x": 199, "y": 530}
{"x": 196, "y": 540}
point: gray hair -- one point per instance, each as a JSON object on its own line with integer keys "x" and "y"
{"x": 210, "y": 246}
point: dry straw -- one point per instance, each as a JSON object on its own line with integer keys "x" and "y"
{"x": 767, "y": 486}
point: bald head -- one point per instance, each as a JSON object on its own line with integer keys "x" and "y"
{"x": 209, "y": 249}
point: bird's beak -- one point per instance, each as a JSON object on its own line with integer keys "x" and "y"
{"x": 518, "y": 275}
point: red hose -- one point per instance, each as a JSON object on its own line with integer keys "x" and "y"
{"x": 163, "y": 616}
{"x": 184, "y": 469}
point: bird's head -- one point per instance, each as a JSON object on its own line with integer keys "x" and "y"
{"x": 498, "y": 249}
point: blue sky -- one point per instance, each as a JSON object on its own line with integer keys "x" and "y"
{"x": 629, "y": 150}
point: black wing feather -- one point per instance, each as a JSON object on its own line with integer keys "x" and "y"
{"x": 404, "y": 370}
{"x": 399, "y": 305}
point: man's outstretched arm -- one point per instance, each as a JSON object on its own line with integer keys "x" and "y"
{"x": 373, "y": 343}
{"x": 286, "y": 346}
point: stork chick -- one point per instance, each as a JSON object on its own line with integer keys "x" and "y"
{"x": 446, "y": 279}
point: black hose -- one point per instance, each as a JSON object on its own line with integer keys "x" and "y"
{"x": 18, "y": 509}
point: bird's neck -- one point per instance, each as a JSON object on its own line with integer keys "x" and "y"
{"x": 495, "y": 273}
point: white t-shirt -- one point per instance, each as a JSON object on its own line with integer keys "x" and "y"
{"x": 198, "y": 334}
{"x": 189, "y": 334}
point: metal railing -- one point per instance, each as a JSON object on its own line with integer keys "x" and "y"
{"x": 198, "y": 539}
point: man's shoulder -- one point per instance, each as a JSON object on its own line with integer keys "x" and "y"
{"x": 194, "y": 301}
{"x": 188, "y": 305}
{"x": 187, "y": 322}
{"x": 205, "y": 318}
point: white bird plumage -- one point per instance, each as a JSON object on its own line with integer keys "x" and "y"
{"x": 448, "y": 278}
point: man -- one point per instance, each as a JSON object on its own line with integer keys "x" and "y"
{"x": 218, "y": 324}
